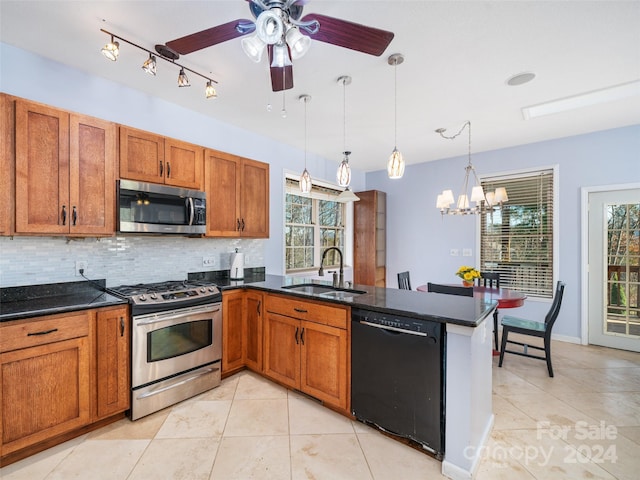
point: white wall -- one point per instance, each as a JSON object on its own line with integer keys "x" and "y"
{"x": 29, "y": 76}
{"x": 419, "y": 240}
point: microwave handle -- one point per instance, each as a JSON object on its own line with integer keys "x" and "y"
{"x": 190, "y": 210}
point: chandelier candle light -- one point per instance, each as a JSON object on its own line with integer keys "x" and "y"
{"x": 483, "y": 202}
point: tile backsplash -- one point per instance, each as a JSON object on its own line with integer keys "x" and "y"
{"x": 119, "y": 260}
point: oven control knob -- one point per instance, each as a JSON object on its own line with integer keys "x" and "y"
{"x": 142, "y": 298}
{"x": 211, "y": 289}
{"x": 154, "y": 296}
{"x": 203, "y": 290}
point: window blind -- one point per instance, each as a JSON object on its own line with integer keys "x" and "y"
{"x": 517, "y": 240}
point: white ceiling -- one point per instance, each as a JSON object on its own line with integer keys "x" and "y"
{"x": 458, "y": 56}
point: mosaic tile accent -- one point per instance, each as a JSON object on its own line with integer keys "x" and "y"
{"x": 119, "y": 260}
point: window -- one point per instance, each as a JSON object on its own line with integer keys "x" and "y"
{"x": 312, "y": 223}
{"x": 518, "y": 240}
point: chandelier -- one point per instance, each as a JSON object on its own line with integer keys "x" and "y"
{"x": 483, "y": 202}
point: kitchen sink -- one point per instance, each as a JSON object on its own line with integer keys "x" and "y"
{"x": 324, "y": 290}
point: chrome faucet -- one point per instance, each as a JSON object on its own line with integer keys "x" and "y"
{"x": 321, "y": 271}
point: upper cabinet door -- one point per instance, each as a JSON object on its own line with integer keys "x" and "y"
{"x": 7, "y": 164}
{"x": 222, "y": 185}
{"x": 42, "y": 169}
{"x": 141, "y": 156}
{"x": 184, "y": 164}
{"x": 92, "y": 156}
{"x": 255, "y": 199}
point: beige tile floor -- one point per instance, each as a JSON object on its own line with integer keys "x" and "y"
{"x": 584, "y": 423}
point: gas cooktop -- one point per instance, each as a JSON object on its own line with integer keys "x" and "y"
{"x": 169, "y": 295}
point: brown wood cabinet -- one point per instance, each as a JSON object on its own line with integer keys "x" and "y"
{"x": 148, "y": 157}
{"x": 44, "y": 389}
{"x": 59, "y": 376}
{"x": 307, "y": 348}
{"x": 64, "y": 172}
{"x": 369, "y": 238}
{"x": 241, "y": 330}
{"x": 237, "y": 196}
{"x": 7, "y": 164}
{"x": 112, "y": 331}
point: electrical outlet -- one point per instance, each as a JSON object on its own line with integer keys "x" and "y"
{"x": 454, "y": 252}
{"x": 81, "y": 265}
{"x": 208, "y": 261}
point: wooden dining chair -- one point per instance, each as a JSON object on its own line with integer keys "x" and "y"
{"x": 450, "y": 289}
{"x": 532, "y": 328}
{"x": 404, "y": 282}
{"x": 491, "y": 280}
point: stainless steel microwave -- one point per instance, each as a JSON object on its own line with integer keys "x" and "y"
{"x": 153, "y": 208}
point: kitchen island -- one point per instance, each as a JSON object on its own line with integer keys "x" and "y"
{"x": 467, "y": 354}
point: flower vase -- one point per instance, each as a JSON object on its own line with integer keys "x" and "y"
{"x": 466, "y": 283}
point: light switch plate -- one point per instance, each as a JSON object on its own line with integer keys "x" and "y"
{"x": 467, "y": 252}
{"x": 454, "y": 252}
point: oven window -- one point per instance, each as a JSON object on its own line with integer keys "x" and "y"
{"x": 176, "y": 340}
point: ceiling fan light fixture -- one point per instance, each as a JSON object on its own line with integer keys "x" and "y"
{"x": 281, "y": 56}
{"x": 253, "y": 47}
{"x": 210, "y": 91}
{"x": 149, "y": 65}
{"x": 269, "y": 26}
{"x": 111, "y": 50}
{"x": 298, "y": 43}
{"x": 183, "y": 80}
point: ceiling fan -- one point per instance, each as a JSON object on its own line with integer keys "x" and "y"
{"x": 281, "y": 30}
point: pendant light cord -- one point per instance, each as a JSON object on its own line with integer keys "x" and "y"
{"x": 395, "y": 104}
{"x": 305, "y": 133}
{"x": 344, "y": 114}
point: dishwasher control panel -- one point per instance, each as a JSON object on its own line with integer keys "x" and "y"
{"x": 395, "y": 322}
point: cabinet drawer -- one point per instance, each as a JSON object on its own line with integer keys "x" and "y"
{"x": 29, "y": 333}
{"x": 318, "y": 312}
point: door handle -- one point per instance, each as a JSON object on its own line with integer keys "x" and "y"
{"x": 238, "y": 224}
{"x": 122, "y": 326}
{"x": 74, "y": 216}
{"x": 161, "y": 168}
{"x": 64, "y": 215}
{"x": 243, "y": 224}
{"x": 168, "y": 169}
{"x": 297, "y": 331}
{"x": 46, "y": 332}
{"x": 302, "y": 337}
{"x": 258, "y": 308}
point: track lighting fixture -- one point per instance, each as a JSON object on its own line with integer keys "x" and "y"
{"x": 149, "y": 65}
{"x": 112, "y": 49}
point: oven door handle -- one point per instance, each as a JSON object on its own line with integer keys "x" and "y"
{"x": 190, "y": 210}
{"x": 158, "y": 318}
{"x": 157, "y": 391}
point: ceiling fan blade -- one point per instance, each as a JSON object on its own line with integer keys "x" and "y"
{"x": 353, "y": 36}
{"x": 281, "y": 77}
{"x": 211, "y": 36}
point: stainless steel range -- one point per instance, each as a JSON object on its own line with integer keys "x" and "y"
{"x": 176, "y": 342}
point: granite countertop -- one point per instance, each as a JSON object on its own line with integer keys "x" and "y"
{"x": 452, "y": 309}
{"x": 35, "y": 300}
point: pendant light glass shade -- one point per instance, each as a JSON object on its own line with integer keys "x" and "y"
{"x": 395, "y": 165}
{"x": 269, "y": 26}
{"x": 347, "y": 196}
{"x": 298, "y": 43}
{"x": 253, "y": 47}
{"x": 210, "y": 91}
{"x": 344, "y": 171}
{"x": 281, "y": 56}
{"x": 111, "y": 50}
{"x": 305, "y": 182}
{"x": 183, "y": 80}
{"x": 149, "y": 65}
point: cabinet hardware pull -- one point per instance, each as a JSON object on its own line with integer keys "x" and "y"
{"x": 168, "y": 170}
{"x": 64, "y": 214}
{"x": 46, "y": 332}
{"x": 258, "y": 308}
{"x": 297, "y": 330}
{"x": 74, "y": 216}
{"x": 161, "y": 168}
{"x": 300, "y": 310}
{"x": 243, "y": 224}
{"x": 302, "y": 337}
{"x": 122, "y": 326}
{"x": 238, "y": 225}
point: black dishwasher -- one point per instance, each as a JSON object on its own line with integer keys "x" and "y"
{"x": 397, "y": 379}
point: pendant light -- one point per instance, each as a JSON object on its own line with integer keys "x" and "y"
{"x": 395, "y": 165}
{"x": 344, "y": 170}
{"x": 305, "y": 178}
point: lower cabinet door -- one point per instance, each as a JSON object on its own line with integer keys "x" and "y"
{"x": 324, "y": 355}
{"x": 282, "y": 349}
{"x": 253, "y": 332}
{"x": 44, "y": 392}
{"x": 232, "y": 330}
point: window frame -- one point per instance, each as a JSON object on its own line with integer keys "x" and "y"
{"x": 495, "y": 179}
{"x": 347, "y": 220}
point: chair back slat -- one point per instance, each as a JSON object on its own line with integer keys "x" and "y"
{"x": 404, "y": 282}
{"x": 450, "y": 289}
{"x": 489, "y": 279}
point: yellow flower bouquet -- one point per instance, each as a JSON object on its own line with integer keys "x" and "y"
{"x": 468, "y": 274}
